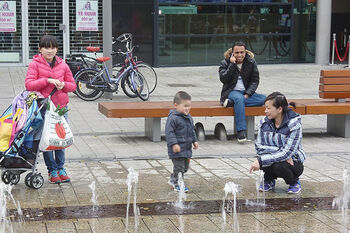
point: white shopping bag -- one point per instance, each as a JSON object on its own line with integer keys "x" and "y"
{"x": 56, "y": 133}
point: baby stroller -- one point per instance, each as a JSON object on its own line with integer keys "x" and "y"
{"x": 22, "y": 154}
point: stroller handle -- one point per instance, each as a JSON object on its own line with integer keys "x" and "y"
{"x": 53, "y": 92}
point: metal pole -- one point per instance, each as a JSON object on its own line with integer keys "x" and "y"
{"x": 349, "y": 52}
{"x": 107, "y": 37}
{"x": 333, "y": 48}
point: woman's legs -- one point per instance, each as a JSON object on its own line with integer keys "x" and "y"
{"x": 284, "y": 170}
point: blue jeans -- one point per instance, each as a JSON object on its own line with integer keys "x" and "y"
{"x": 54, "y": 162}
{"x": 237, "y": 97}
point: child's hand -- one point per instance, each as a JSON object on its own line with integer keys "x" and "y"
{"x": 176, "y": 148}
{"x": 58, "y": 84}
{"x": 195, "y": 145}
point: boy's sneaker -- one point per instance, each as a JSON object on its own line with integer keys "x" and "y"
{"x": 54, "y": 178}
{"x": 241, "y": 135}
{"x": 268, "y": 185}
{"x": 63, "y": 175}
{"x": 177, "y": 188}
{"x": 227, "y": 103}
{"x": 295, "y": 188}
{"x": 171, "y": 182}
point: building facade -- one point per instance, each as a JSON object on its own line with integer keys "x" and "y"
{"x": 181, "y": 32}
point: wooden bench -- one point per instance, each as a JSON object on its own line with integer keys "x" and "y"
{"x": 335, "y": 84}
{"x": 334, "y": 89}
{"x": 338, "y": 113}
{"x": 154, "y": 111}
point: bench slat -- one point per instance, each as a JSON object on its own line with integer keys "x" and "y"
{"x": 335, "y": 73}
{"x": 338, "y": 80}
{"x": 334, "y": 95}
{"x": 330, "y": 108}
{"x": 334, "y": 88}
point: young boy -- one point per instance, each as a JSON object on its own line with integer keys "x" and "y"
{"x": 180, "y": 136}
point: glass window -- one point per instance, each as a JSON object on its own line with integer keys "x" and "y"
{"x": 271, "y": 29}
{"x": 11, "y": 42}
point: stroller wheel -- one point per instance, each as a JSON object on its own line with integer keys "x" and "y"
{"x": 13, "y": 178}
{"x": 5, "y": 177}
{"x": 37, "y": 181}
{"x": 27, "y": 180}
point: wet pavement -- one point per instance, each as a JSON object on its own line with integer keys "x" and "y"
{"x": 105, "y": 148}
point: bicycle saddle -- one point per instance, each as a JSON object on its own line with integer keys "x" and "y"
{"x": 93, "y": 49}
{"x": 103, "y": 59}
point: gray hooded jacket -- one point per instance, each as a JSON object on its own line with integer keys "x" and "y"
{"x": 179, "y": 129}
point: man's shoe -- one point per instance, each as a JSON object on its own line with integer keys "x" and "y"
{"x": 241, "y": 135}
{"x": 177, "y": 188}
{"x": 227, "y": 103}
{"x": 63, "y": 175}
{"x": 268, "y": 185}
{"x": 54, "y": 178}
{"x": 294, "y": 188}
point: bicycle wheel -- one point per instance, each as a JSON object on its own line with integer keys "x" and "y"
{"x": 140, "y": 86}
{"x": 83, "y": 79}
{"x": 149, "y": 74}
{"x": 127, "y": 86}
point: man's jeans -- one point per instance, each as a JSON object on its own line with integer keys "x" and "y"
{"x": 54, "y": 163}
{"x": 237, "y": 97}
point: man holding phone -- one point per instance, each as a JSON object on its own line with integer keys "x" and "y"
{"x": 240, "y": 78}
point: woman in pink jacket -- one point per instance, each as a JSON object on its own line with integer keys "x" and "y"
{"x": 46, "y": 72}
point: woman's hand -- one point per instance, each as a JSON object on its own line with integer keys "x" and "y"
{"x": 255, "y": 166}
{"x": 195, "y": 145}
{"x": 290, "y": 161}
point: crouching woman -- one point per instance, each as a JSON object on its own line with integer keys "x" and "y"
{"x": 278, "y": 145}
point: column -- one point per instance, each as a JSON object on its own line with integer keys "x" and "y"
{"x": 107, "y": 37}
{"x": 323, "y": 31}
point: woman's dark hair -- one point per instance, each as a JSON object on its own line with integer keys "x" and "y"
{"x": 48, "y": 41}
{"x": 279, "y": 100}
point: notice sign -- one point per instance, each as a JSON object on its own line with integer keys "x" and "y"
{"x": 87, "y": 15}
{"x": 7, "y": 16}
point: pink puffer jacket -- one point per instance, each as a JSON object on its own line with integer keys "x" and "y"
{"x": 39, "y": 71}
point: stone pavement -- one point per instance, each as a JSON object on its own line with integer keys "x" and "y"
{"x": 105, "y": 148}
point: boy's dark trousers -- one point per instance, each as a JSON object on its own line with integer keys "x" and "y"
{"x": 180, "y": 165}
{"x": 284, "y": 170}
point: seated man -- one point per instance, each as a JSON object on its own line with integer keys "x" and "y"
{"x": 240, "y": 78}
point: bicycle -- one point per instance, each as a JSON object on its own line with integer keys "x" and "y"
{"x": 146, "y": 70}
{"x": 93, "y": 82}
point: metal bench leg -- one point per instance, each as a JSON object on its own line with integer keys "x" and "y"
{"x": 152, "y": 129}
{"x": 250, "y": 121}
{"x": 339, "y": 125}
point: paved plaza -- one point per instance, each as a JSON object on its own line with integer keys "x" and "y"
{"x": 105, "y": 149}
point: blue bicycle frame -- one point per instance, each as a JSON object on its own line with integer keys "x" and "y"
{"x": 108, "y": 79}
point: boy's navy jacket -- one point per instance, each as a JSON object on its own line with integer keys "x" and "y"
{"x": 179, "y": 129}
{"x": 279, "y": 144}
